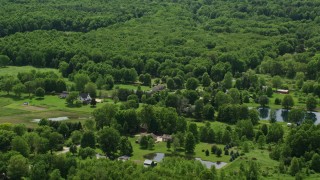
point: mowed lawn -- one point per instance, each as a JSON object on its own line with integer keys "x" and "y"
{"x": 14, "y": 70}
{"x": 268, "y": 168}
{"x": 13, "y": 110}
{"x": 161, "y": 147}
{"x": 132, "y": 87}
{"x": 298, "y": 99}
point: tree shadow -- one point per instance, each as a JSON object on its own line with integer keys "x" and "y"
{"x": 15, "y": 98}
{"x": 72, "y": 106}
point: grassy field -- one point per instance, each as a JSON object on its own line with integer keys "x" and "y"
{"x": 13, "y": 110}
{"x": 160, "y": 147}
{"x": 14, "y": 70}
{"x": 132, "y": 87}
{"x": 268, "y": 167}
{"x": 297, "y": 97}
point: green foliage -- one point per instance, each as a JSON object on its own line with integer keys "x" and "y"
{"x": 232, "y": 113}
{"x": 245, "y": 128}
{"x": 104, "y": 115}
{"x": 20, "y": 145}
{"x": 275, "y": 133}
{"x": 190, "y": 143}
{"x": 198, "y": 108}
{"x": 144, "y": 142}
{"x": 88, "y": 140}
{"x": 208, "y": 112}
{"x": 109, "y": 140}
{"x": 261, "y": 141}
{"x": 18, "y": 167}
{"x": 287, "y": 102}
{"x": 7, "y": 83}
{"x": 55, "y": 175}
{"x": 55, "y": 141}
{"x": 192, "y": 84}
{"x": 263, "y": 100}
{"x": 315, "y": 162}
{"x": 193, "y": 128}
{"x": 206, "y": 81}
{"x": 221, "y": 98}
{"x": 311, "y": 103}
{"x": 4, "y": 61}
{"x": 276, "y": 82}
{"x": 87, "y": 152}
{"x": 18, "y": 89}
{"x": 227, "y": 81}
{"x": 80, "y": 81}
{"x": 73, "y": 149}
{"x": 72, "y": 96}
{"x": 170, "y": 84}
{"x": 296, "y": 115}
{"x": 221, "y": 44}
{"x": 254, "y": 116}
{"x": 294, "y": 166}
{"x": 91, "y": 88}
{"x": 38, "y": 170}
{"x": 5, "y": 139}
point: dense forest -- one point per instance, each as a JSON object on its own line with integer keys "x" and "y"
{"x": 200, "y": 71}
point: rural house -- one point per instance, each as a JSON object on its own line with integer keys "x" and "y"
{"x": 85, "y": 97}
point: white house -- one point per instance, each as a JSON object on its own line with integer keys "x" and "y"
{"x": 85, "y": 97}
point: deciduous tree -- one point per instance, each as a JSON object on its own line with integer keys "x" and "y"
{"x": 109, "y": 139}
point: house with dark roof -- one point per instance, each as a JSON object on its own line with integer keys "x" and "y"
{"x": 85, "y": 97}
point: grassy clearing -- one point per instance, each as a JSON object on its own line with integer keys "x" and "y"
{"x": 14, "y": 70}
{"x": 298, "y": 97}
{"x": 132, "y": 87}
{"x": 160, "y": 147}
{"x": 49, "y": 102}
{"x": 215, "y": 125}
{"x": 28, "y": 117}
{"x": 268, "y": 166}
{"x": 13, "y": 110}
{"x": 139, "y": 153}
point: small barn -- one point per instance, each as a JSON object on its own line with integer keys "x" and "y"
{"x": 282, "y": 91}
{"x": 149, "y": 163}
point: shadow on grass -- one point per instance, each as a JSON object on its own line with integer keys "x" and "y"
{"x": 73, "y": 106}
{"x": 16, "y": 98}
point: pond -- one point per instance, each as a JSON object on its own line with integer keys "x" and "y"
{"x": 159, "y": 156}
{"x": 52, "y": 119}
{"x": 282, "y": 115}
{"x": 155, "y": 156}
